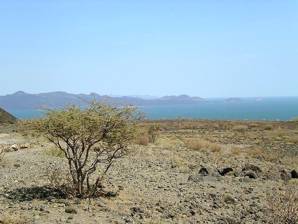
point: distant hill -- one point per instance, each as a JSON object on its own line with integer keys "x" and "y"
{"x": 6, "y": 118}
{"x": 21, "y": 100}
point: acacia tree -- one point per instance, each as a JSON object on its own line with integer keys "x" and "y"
{"x": 91, "y": 139}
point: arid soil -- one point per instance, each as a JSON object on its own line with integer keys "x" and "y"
{"x": 195, "y": 172}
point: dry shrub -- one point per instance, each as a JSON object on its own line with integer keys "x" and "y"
{"x": 268, "y": 127}
{"x": 283, "y": 207}
{"x": 199, "y": 144}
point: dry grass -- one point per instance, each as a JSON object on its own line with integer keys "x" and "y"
{"x": 142, "y": 139}
{"x": 293, "y": 139}
{"x": 236, "y": 151}
{"x": 201, "y": 144}
{"x": 13, "y": 219}
{"x": 283, "y": 207}
{"x": 147, "y": 134}
{"x": 179, "y": 162}
{"x": 255, "y": 152}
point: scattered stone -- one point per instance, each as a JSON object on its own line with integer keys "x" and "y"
{"x": 24, "y": 146}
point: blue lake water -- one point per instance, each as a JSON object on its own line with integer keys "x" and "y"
{"x": 249, "y": 109}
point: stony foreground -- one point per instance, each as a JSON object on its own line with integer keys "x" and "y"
{"x": 203, "y": 173}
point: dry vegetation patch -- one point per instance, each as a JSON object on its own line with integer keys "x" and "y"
{"x": 202, "y": 144}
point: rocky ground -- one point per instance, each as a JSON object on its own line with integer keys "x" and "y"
{"x": 202, "y": 172}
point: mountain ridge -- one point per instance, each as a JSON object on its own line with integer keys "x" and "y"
{"x": 58, "y": 99}
{"x": 6, "y": 117}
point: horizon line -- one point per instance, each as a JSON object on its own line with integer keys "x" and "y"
{"x": 141, "y": 96}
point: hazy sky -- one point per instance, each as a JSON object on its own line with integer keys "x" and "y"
{"x": 208, "y": 48}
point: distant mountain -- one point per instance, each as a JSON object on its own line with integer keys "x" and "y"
{"x": 6, "y": 118}
{"x": 21, "y": 100}
{"x": 182, "y": 98}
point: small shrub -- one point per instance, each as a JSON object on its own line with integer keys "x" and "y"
{"x": 90, "y": 139}
{"x": 283, "y": 207}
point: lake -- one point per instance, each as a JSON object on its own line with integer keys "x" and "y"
{"x": 219, "y": 109}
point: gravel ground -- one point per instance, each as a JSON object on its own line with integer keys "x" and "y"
{"x": 163, "y": 182}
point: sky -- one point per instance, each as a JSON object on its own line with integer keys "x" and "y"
{"x": 214, "y": 48}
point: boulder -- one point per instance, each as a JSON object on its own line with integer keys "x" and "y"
{"x": 225, "y": 171}
{"x": 250, "y": 174}
{"x": 294, "y": 174}
{"x": 251, "y": 171}
{"x": 14, "y": 147}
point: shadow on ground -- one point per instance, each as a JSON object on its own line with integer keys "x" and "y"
{"x": 31, "y": 193}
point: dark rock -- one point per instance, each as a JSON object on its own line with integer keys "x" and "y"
{"x": 251, "y": 167}
{"x": 16, "y": 165}
{"x": 225, "y": 171}
{"x": 294, "y": 174}
{"x": 251, "y": 171}
{"x": 111, "y": 194}
{"x": 137, "y": 211}
{"x": 71, "y": 210}
{"x": 203, "y": 171}
{"x": 251, "y": 175}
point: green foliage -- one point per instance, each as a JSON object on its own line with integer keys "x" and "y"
{"x": 90, "y": 139}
